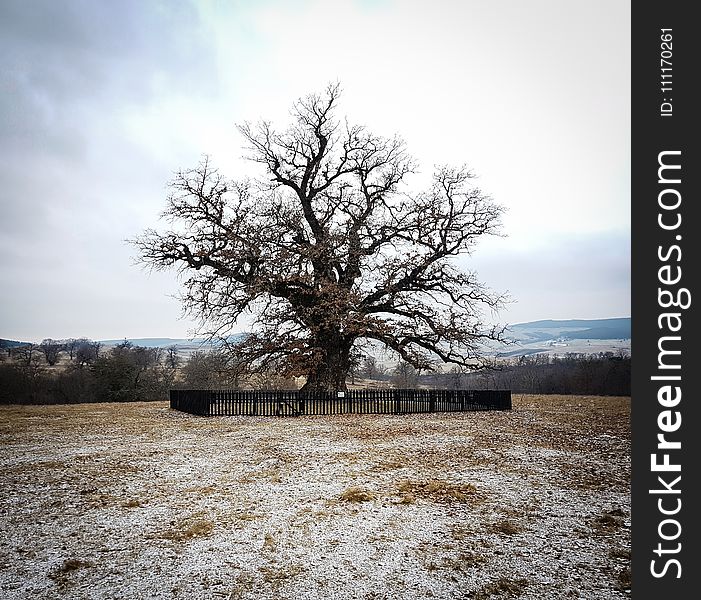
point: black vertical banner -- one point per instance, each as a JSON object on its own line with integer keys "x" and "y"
{"x": 666, "y": 54}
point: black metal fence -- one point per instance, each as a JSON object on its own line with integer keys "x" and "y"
{"x": 211, "y": 403}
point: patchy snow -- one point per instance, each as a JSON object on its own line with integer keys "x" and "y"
{"x": 138, "y": 501}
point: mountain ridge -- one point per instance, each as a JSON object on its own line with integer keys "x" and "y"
{"x": 559, "y": 323}
{"x": 606, "y": 328}
{"x": 574, "y": 329}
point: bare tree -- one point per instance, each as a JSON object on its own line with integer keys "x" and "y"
{"x": 371, "y": 369}
{"x": 127, "y": 372}
{"x": 172, "y": 358}
{"x": 270, "y": 380}
{"x": 207, "y": 370}
{"x": 405, "y": 375}
{"x": 143, "y": 358}
{"x": 25, "y": 354}
{"x": 51, "y": 350}
{"x": 71, "y": 345}
{"x": 355, "y": 362}
{"x": 87, "y": 351}
{"x": 455, "y": 378}
{"x": 329, "y": 250}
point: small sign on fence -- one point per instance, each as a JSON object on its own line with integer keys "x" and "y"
{"x": 341, "y": 394}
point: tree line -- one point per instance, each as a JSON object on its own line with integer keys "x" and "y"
{"x": 76, "y": 371}
{"x": 82, "y": 370}
{"x": 598, "y": 374}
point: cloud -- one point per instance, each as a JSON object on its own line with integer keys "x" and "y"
{"x": 101, "y": 101}
{"x": 75, "y": 184}
{"x": 561, "y": 277}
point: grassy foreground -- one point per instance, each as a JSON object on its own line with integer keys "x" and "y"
{"x": 138, "y": 501}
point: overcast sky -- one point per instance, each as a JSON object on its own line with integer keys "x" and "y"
{"x": 101, "y": 101}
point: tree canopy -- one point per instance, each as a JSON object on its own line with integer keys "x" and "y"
{"x": 329, "y": 250}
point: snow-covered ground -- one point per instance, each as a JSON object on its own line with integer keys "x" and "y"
{"x": 137, "y": 501}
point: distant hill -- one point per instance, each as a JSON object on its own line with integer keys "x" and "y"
{"x": 547, "y": 335}
{"x": 599, "y": 333}
{"x": 153, "y": 342}
{"x": 144, "y": 342}
{"x": 10, "y": 343}
{"x": 578, "y": 336}
{"x": 167, "y": 342}
{"x": 574, "y": 329}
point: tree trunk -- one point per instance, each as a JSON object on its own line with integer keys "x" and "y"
{"x": 331, "y": 370}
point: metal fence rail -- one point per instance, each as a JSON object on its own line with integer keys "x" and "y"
{"x": 211, "y": 403}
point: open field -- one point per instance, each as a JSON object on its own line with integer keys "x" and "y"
{"x": 131, "y": 501}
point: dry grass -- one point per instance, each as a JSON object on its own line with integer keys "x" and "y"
{"x": 357, "y": 494}
{"x": 624, "y": 580}
{"x": 388, "y": 465}
{"x": 272, "y": 475}
{"x": 269, "y": 542}
{"x": 619, "y": 553}
{"x": 407, "y": 498}
{"x": 276, "y": 575}
{"x": 73, "y": 564}
{"x": 463, "y": 562}
{"x": 61, "y": 574}
{"x": 506, "y": 527}
{"x": 247, "y": 516}
{"x": 204, "y": 508}
{"x": 608, "y": 522}
{"x": 205, "y": 490}
{"x": 186, "y": 529}
{"x": 462, "y": 532}
{"x": 437, "y": 491}
{"x": 501, "y": 588}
